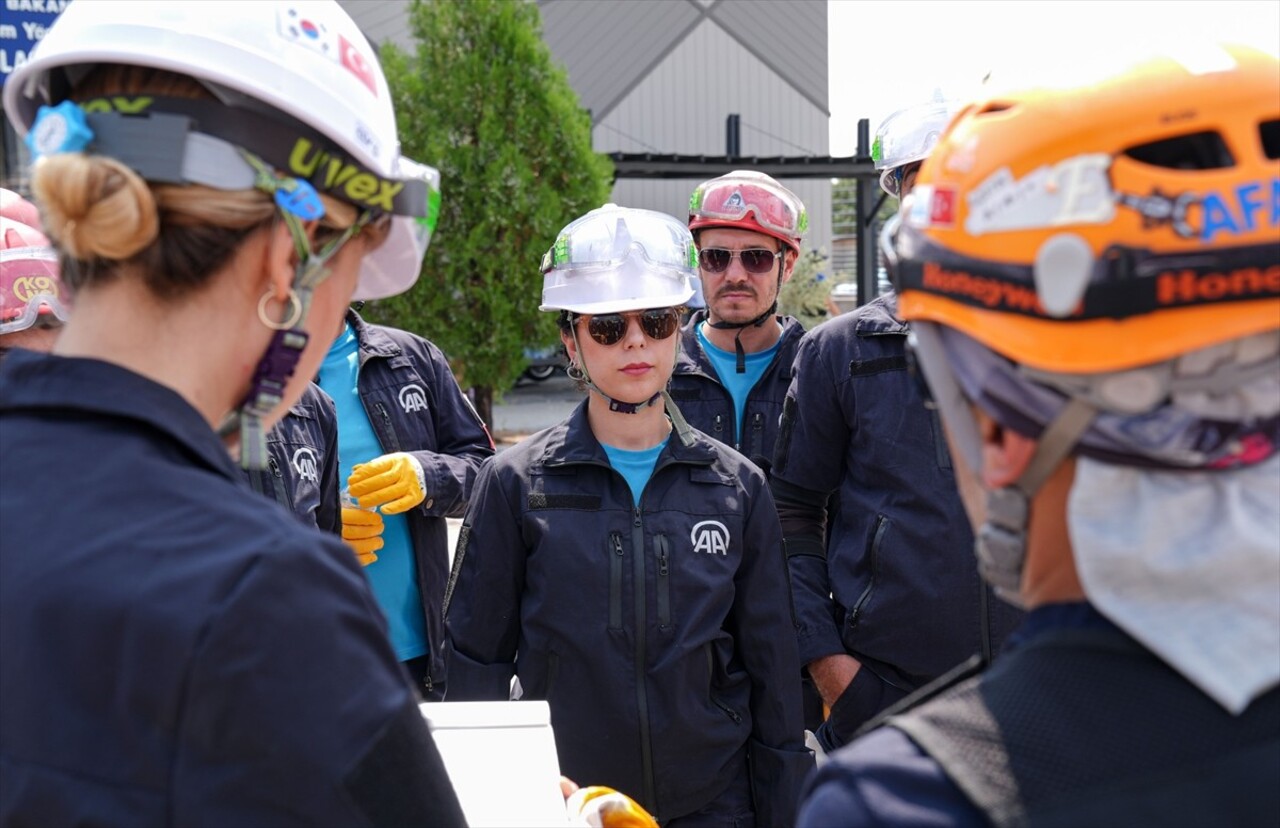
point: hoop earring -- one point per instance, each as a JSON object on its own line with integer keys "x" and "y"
{"x": 295, "y": 311}
{"x": 575, "y": 373}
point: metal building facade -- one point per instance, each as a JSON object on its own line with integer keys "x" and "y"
{"x": 663, "y": 76}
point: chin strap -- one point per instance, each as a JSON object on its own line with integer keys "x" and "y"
{"x": 578, "y": 373}
{"x": 1001, "y": 542}
{"x": 297, "y": 201}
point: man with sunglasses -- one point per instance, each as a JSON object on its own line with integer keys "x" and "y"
{"x": 886, "y": 593}
{"x": 735, "y": 356}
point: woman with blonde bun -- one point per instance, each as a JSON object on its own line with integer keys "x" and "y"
{"x": 175, "y": 649}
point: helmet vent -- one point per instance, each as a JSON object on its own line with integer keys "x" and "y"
{"x": 994, "y": 107}
{"x": 1270, "y": 131}
{"x": 1197, "y": 151}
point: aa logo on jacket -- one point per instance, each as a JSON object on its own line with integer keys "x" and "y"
{"x": 413, "y": 398}
{"x": 305, "y": 464}
{"x": 710, "y": 536}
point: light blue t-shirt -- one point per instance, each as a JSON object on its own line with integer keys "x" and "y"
{"x": 738, "y": 385}
{"x": 393, "y": 576}
{"x": 635, "y": 466}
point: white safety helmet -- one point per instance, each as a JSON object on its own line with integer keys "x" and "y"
{"x": 327, "y": 120}
{"x": 617, "y": 259}
{"x": 907, "y": 136}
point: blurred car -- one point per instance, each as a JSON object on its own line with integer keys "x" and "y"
{"x": 543, "y": 363}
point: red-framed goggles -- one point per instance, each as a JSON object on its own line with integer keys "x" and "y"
{"x": 29, "y": 288}
{"x": 732, "y": 197}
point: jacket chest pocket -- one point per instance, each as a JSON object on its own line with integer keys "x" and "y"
{"x": 403, "y": 415}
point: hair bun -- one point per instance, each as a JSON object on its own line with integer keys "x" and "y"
{"x": 95, "y": 207}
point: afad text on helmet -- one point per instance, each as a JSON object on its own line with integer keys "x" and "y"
{"x": 339, "y": 176}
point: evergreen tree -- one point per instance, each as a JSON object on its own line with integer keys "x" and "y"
{"x": 482, "y": 99}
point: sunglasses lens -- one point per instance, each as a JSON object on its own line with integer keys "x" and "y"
{"x": 659, "y": 324}
{"x": 714, "y": 259}
{"x": 757, "y": 261}
{"x": 607, "y": 329}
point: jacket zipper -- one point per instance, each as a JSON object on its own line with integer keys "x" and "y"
{"x": 642, "y": 697}
{"x": 882, "y": 525}
{"x": 664, "y": 581}
{"x": 729, "y": 711}
{"x": 615, "y": 581}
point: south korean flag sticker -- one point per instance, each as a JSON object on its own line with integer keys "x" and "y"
{"x": 308, "y": 31}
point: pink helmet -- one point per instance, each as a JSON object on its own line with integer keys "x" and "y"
{"x": 30, "y": 290}
{"x": 749, "y": 200}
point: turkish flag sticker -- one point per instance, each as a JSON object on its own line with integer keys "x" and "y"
{"x": 356, "y": 64}
{"x": 943, "y": 210}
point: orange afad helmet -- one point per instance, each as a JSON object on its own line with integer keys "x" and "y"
{"x": 1107, "y": 226}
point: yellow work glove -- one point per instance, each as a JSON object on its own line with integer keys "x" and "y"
{"x": 600, "y": 807}
{"x": 394, "y": 482}
{"x": 362, "y": 530}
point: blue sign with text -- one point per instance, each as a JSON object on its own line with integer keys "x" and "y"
{"x": 22, "y": 25}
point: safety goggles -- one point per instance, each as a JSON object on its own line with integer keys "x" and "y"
{"x": 607, "y": 237}
{"x": 754, "y": 260}
{"x": 610, "y": 328}
{"x": 29, "y": 287}
{"x": 730, "y": 199}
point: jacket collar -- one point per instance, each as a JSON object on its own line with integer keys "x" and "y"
{"x": 879, "y": 316}
{"x": 371, "y": 339}
{"x": 43, "y": 381}
{"x": 573, "y": 442}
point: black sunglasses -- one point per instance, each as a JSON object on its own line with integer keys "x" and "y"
{"x": 610, "y": 328}
{"x": 754, "y": 260}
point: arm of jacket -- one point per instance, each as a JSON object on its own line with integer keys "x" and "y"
{"x": 808, "y": 464}
{"x": 297, "y": 710}
{"x": 764, "y": 632}
{"x": 329, "y": 512}
{"x": 482, "y": 600}
{"x": 462, "y": 441}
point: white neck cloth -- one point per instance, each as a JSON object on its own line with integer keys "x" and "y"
{"x": 1188, "y": 563}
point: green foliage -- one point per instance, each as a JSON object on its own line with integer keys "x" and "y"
{"x": 804, "y": 296}
{"x": 844, "y": 198}
{"x": 482, "y": 99}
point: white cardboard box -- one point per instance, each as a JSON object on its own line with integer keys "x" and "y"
{"x": 501, "y": 758}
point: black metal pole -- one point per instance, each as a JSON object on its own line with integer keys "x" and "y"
{"x": 733, "y": 135}
{"x": 864, "y": 213}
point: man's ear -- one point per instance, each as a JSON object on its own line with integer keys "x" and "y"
{"x": 1005, "y": 453}
{"x": 789, "y": 263}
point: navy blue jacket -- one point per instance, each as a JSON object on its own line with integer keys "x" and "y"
{"x": 894, "y": 581}
{"x": 302, "y": 462}
{"x": 706, "y": 404}
{"x": 415, "y": 406}
{"x": 1145, "y": 771}
{"x": 176, "y": 649}
{"x": 660, "y": 633}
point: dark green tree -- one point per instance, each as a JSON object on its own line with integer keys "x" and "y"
{"x": 482, "y": 99}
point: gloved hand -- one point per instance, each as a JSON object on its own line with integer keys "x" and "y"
{"x": 600, "y": 807}
{"x": 393, "y": 481}
{"x": 362, "y": 530}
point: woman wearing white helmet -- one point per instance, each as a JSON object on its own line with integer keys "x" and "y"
{"x": 634, "y": 580}
{"x": 176, "y": 650}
